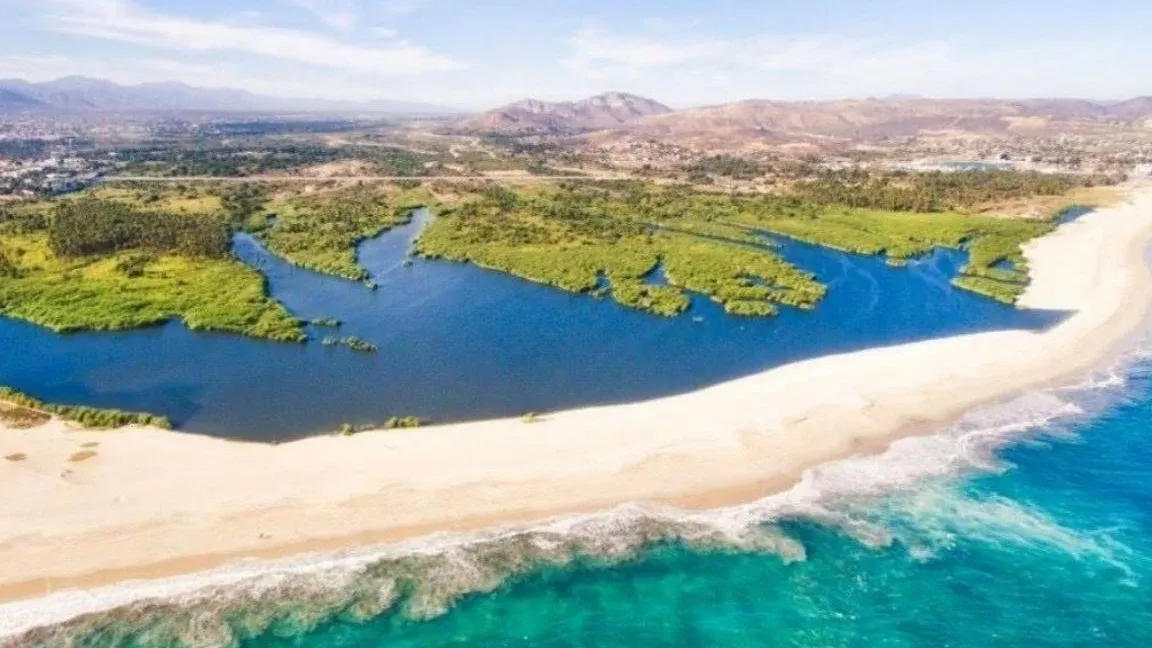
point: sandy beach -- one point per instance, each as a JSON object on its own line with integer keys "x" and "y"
{"x": 152, "y": 503}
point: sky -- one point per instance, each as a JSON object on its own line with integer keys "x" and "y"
{"x": 478, "y": 54}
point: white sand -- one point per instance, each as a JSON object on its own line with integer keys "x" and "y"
{"x": 155, "y": 503}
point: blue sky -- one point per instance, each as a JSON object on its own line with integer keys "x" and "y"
{"x": 480, "y": 53}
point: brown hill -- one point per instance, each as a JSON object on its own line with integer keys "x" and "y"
{"x": 825, "y": 123}
{"x": 532, "y": 116}
{"x": 1137, "y": 109}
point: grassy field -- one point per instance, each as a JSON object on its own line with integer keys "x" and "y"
{"x": 129, "y": 290}
{"x": 571, "y": 237}
{"x": 901, "y": 236}
{"x": 321, "y": 233}
{"x": 184, "y": 200}
{"x": 563, "y": 240}
{"x": 114, "y": 258}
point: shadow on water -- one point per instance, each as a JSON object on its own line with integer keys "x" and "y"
{"x": 457, "y": 342}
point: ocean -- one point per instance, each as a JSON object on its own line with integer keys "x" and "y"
{"x": 1026, "y": 523}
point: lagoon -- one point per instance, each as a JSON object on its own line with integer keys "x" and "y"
{"x": 457, "y": 342}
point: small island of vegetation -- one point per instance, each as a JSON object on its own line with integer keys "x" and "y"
{"x": 352, "y": 342}
{"x": 393, "y": 423}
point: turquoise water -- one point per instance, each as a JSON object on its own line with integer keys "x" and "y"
{"x": 1028, "y": 523}
{"x": 458, "y": 343}
{"x": 1047, "y": 544}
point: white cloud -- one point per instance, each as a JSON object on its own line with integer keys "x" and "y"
{"x": 592, "y": 46}
{"x": 689, "y": 68}
{"x": 122, "y": 21}
{"x": 338, "y": 14}
{"x": 401, "y": 7}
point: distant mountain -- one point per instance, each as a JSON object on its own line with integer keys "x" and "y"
{"x": 12, "y": 100}
{"x": 532, "y": 116}
{"x": 1133, "y": 109}
{"x": 825, "y": 123}
{"x": 86, "y": 94}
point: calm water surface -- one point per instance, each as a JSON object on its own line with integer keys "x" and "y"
{"x": 458, "y": 342}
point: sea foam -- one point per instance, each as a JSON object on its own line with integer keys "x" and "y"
{"x": 914, "y": 481}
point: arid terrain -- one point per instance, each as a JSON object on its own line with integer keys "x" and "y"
{"x": 1065, "y": 132}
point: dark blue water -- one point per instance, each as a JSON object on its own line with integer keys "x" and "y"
{"x": 457, "y": 342}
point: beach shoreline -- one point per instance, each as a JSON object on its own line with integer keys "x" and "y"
{"x": 153, "y": 504}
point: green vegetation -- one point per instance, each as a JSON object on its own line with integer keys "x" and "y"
{"x": 579, "y": 236}
{"x": 348, "y": 429}
{"x": 137, "y": 255}
{"x": 123, "y": 257}
{"x": 93, "y": 264}
{"x": 244, "y": 205}
{"x": 936, "y": 191}
{"x": 990, "y": 241}
{"x": 901, "y": 236}
{"x": 728, "y": 166}
{"x": 87, "y": 416}
{"x": 393, "y": 423}
{"x": 92, "y": 226}
{"x": 576, "y": 239}
{"x": 185, "y": 199}
{"x": 322, "y": 233}
{"x": 352, "y": 342}
{"x": 399, "y": 422}
{"x": 256, "y": 157}
{"x": 1004, "y": 290}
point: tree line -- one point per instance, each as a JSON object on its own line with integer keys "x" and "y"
{"x": 936, "y": 191}
{"x": 238, "y": 160}
{"x": 92, "y": 226}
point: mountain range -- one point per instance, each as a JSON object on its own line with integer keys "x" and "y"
{"x": 532, "y": 116}
{"x": 618, "y": 115}
{"x": 819, "y": 124}
{"x": 78, "y": 93}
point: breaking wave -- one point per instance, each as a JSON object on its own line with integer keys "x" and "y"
{"x": 907, "y": 494}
